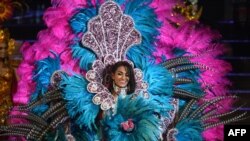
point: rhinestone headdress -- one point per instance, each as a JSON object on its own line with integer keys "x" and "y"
{"x": 110, "y": 34}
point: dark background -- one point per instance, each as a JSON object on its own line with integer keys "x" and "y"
{"x": 230, "y": 17}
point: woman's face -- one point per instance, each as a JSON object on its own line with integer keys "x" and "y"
{"x": 120, "y": 77}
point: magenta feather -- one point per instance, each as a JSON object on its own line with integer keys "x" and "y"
{"x": 192, "y": 37}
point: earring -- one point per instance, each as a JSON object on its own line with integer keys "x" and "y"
{"x": 116, "y": 88}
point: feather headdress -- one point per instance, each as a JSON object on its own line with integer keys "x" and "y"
{"x": 178, "y": 89}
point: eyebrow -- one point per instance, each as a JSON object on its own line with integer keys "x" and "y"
{"x": 122, "y": 72}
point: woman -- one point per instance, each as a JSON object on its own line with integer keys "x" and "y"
{"x": 119, "y": 79}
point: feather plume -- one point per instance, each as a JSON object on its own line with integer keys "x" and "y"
{"x": 42, "y": 74}
{"x": 44, "y": 70}
{"x": 79, "y": 101}
{"x": 80, "y": 20}
{"x": 85, "y": 56}
{"x": 146, "y": 25}
{"x": 190, "y": 130}
{"x": 197, "y": 40}
{"x": 146, "y": 123}
{"x": 79, "y": 25}
{"x": 160, "y": 81}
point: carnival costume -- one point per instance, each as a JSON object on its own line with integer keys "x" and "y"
{"x": 180, "y": 83}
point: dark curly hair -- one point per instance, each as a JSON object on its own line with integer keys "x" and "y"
{"x": 109, "y": 70}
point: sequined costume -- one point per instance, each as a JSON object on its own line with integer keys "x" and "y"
{"x": 180, "y": 94}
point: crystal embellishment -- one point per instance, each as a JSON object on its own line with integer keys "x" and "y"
{"x": 111, "y": 32}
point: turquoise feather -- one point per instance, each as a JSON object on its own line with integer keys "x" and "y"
{"x": 79, "y": 101}
{"x": 160, "y": 81}
{"x": 42, "y": 74}
{"x": 80, "y": 20}
{"x": 79, "y": 24}
{"x": 120, "y": 2}
{"x": 147, "y": 25}
{"x": 189, "y": 130}
{"x": 141, "y": 112}
{"x": 85, "y": 56}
